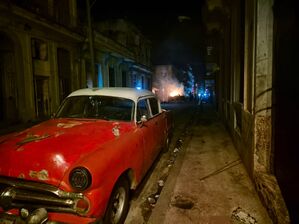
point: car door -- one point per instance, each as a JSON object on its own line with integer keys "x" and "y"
{"x": 159, "y": 120}
{"x": 147, "y": 127}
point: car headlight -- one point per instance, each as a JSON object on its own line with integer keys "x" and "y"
{"x": 80, "y": 178}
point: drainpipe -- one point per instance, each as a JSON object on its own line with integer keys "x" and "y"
{"x": 91, "y": 76}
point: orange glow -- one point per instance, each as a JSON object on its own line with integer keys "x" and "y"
{"x": 169, "y": 90}
{"x": 175, "y": 90}
{"x": 165, "y": 84}
{"x": 176, "y": 93}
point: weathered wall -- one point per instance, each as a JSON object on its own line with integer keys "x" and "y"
{"x": 248, "y": 114}
{"x": 265, "y": 180}
{"x": 53, "y": 59}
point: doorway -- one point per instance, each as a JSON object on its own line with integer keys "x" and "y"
{"x": 8, "y": 82}
{"x": 286, "y": 103}
{"x": 42, "y": 104}
{"x": 64, "y": 72}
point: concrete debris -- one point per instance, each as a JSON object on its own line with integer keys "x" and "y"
{"x": 242, "y": 216}
{"x": 151, "y": 200}
{"x": 179, "y": 143}
{"x": 170, "y": 161}
{"x": 161, "y": 183}
{"x": 176, "y": 150}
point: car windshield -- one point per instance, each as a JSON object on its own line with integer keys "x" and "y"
{"x": 97, "y": 107}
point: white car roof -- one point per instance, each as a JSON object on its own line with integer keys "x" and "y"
{"x": 124, "y": 92}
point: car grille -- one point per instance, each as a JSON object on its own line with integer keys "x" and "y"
{"x": 19, "y": 193}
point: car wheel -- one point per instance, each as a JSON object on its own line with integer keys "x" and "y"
{"x": 118, "y": 203}
{"x": 166, "y": 144}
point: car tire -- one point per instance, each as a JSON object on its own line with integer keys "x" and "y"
{"x": 118, "y": 204}
{"x": 166, "y": 144}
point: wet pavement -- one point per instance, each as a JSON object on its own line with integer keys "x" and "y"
{"x": 208, "y": 182}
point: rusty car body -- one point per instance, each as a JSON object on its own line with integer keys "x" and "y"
{"x": 79, "y": 166}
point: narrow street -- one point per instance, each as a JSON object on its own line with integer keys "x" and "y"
{"x": 200, "y": 180}
{"x": 147, "y": 195}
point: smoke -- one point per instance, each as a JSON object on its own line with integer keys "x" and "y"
{"x": 165, "y": 83}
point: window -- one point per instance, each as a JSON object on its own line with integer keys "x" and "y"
{"x": 100, "y": 75}
{"x": 39, "y": 49}
{"x": 154, "y": 106}
{"x": 124, "y": 79}
{"x": 61, "y": 9}
{"x": 111, "y": 77}
{"x": 97, "y": 107}
{"x": 142, "y": 109}
{"x": 64, "y": 72}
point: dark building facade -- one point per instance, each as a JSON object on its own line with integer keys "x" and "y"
{"x": 256, "y": 48}
{"x": 45, "y": 55}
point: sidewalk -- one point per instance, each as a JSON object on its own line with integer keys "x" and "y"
{"x": 209, "y": 183}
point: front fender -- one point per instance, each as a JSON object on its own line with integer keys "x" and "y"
{"x": 107, "y": 164}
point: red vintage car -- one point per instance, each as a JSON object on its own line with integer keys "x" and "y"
{"x": 79, "y": 166}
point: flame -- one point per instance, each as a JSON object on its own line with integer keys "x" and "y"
{"x": 165, "y": 83}
{"x": 169, "y": 90}
{"x": 176, "y": 92}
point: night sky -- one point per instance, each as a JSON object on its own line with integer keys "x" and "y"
{"x": 175, "y": 41}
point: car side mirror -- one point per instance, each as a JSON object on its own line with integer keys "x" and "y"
{"x": 143, "y": 118}
{"x": 142, "y": 121}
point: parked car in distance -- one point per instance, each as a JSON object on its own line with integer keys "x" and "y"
{"x": 79, "y": 166}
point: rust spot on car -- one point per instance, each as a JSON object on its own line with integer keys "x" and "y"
{"x": 32, "y": 138}
{"x": 115, "y": 130}
{"x": 58, "y": 133}
{"x": 19, "y": 149}
{"x": 40, "y": 175}
{"x": 21, "y": 176}
{"x": 68, "y": 124}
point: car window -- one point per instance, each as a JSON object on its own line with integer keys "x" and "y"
{"x": 97, "y": 107}
{"x": 142, "y": 109}
{"x": 154, "y": 106}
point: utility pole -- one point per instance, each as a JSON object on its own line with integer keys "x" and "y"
{"x": 91, "y": 76}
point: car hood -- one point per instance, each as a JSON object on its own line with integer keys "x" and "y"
{"x": 46, "y": 151}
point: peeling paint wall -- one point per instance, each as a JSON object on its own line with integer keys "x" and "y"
{"x": 263, "y": 86}
{"x": 249, "y": 120}
{"x": 263, "y": 151}
{"x": 265, "y": 181}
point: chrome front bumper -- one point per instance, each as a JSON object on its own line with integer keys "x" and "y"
{"x": 19, "y": 193}
{"x": 38, "y": 216}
